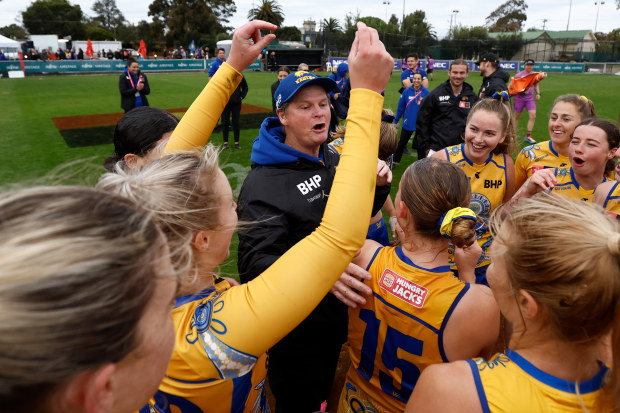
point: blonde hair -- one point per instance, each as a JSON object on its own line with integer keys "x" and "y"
{"x": 431, "y": 187}
{"x": 584, "y": 106}
{"x": 503, "y": 111}
{"x": 77, "y": 274}
{"x": 388, "y": 135}
{"x": 178, "y": 191}
{"x": 566, "y": 254}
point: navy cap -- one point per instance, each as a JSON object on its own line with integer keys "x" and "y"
{"x": 529, "y": 61}
{"x": 291, "y": 84}
{"x": 488, "y": 57}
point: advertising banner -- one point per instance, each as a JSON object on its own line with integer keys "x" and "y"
{"x": 557, "y": 67}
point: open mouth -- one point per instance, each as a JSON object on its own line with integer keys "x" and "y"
{"x": 319, "y": 127}
{"x": 578, "y": 161}
{"x": 478, "y": 147}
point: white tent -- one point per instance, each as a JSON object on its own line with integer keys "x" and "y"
{"x": 5, "y": 42}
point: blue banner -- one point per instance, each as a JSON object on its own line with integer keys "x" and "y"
{"x": 72, "y": 66}
{"x": 333, "y": 62}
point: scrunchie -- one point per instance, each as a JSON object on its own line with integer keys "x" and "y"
{"x": 502, "y": 96}
{"x": 446, "y": 220}
{"x": 387, "y": 118}
{"x": 585, "y": 98}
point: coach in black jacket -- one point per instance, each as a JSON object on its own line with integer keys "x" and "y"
{"x": 494, "y": 78}
{"x": 442, "y": 115}
{"x": 134, "y": 86}
{"x": 283, "y": 198}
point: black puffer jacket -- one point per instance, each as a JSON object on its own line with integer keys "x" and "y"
{"x": 495, "y": 82}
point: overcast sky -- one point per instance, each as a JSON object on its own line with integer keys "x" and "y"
{"x": 470, "y": 12}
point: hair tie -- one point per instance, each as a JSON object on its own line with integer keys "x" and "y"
{"x": 387, "y": 118}
{"x": 448, "y": 218}
{"x": 585, "y": 98}
{"x": 502, "y": 96}
{"x": 613, "y": 243}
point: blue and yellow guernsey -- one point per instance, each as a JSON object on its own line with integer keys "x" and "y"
{"x": 488, "y": 188}
{"x": 568, "y": 186}
{"x": 509, "y": 383}
{"x": 398, "y": 332}
{"x": 535, "y": 157}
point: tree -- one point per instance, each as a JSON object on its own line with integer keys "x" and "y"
{"x": 331, "y": 25}
{"x": 288, "y": 33}
{"x": 54, "y": 16}
{"x": 108, "y": 15}
{"x": 187, "y": 20}
{"x": 415, "y": 25}
{"x": 267, "y": 10}
{"x": 14, "y": 31}
{"x": 509, "y": 17}
{"x": 467, "y": 42}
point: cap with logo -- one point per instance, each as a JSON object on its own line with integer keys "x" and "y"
{"x": 529, "y": 61}
{"x": 488, "y": 57}
{"x": 291, "y": 84}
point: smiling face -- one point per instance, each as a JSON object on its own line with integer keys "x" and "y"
{"x": 458, "y": 74}
{"x": 281, "y": 75}
{"x": 134, "y": 67}
{"x": 417, "y": 80}
{"x": 412, "y": 62}
{"x": 529, "y": 68}
{"x": 306, "y": 119}
{"x": 562, "y": 122}
{"x": 589, "y": 151}
{"x": 221, "y": 54}
{"x": 483, "y": 133}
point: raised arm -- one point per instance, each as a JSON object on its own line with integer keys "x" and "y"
{"x": 196, "y": 127}
{"x": 291, "y": 288}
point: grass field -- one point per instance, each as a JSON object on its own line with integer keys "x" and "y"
{"x": 31, "y": 146}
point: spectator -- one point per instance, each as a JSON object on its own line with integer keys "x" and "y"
{"x": 134, "y": 86}
{"x": 80, "y": 54}
{"x": 118, "y": 55}
{"x": 442, "y": 115}
{"x": 221, "y": 58}
{"x": 233, "y": 108}
{"x": 182, "y": 53}
{"x": 283, "y": 72}
{"x": 271, "y": 61}
{"x": 494, "y": 78}
{"x": 2, "y": 56}
{"x": 430, "y": 65}
{"x": 304, "y": 67}
{"x": 406, "y": 77}
{"x": 110, "y": 54}
{"x": 408, "y": 107}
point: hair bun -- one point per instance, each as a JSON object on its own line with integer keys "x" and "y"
{"x": 613, "y": 243}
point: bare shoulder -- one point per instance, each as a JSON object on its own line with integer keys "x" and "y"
{"x": 445, "y": 387}
{"x": 366, "y": 253}
{"x": 440, "y": 155}
{"x": 602, "y": 191}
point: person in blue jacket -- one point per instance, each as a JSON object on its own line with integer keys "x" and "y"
{"x": 408, "y": 107}
{"x": 221, "y": 58}
{"x": 340, "y": 100}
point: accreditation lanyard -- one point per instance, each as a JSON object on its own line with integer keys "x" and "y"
{"x": 131, "y": 79}
{"x": 412, "y": 99}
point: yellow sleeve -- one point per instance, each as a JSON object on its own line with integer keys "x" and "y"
{"x": 198, "y": 123}
{"x": 260, "y": 313}
{"x": 521, "y": 165}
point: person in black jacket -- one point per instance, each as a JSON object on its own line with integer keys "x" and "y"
{"x": 283, "y": 71}
{"x": 494, "y": 78}
{"x": 442, "y": 115}
{"x": 233, "y": 107}
{"x": 284, "y": 197}
{"x": 134, "y": 86}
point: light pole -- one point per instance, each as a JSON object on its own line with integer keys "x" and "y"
{"x": 598, "y": 7}
{"x": 387, "y": 3}
{"x": 454, "y": 13}
{"x": 570, "y": 6}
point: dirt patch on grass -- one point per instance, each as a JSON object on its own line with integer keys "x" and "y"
{"x": 111, "y": 119}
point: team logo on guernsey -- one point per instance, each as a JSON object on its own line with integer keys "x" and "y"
{"x": 480, "y": 204}
{"x": 402, "y": 288}
{"x": 455, "y": 150}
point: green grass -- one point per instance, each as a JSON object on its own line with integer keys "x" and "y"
{"x": 31, "y": 146}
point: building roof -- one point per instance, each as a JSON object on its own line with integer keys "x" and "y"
{"x": 550, "y": 34}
